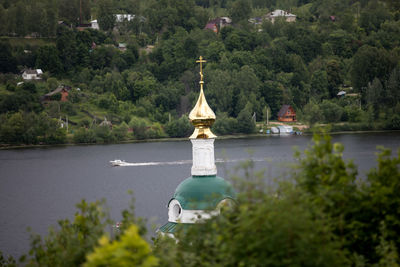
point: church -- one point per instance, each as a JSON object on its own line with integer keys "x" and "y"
{"x": 202, "y": 195}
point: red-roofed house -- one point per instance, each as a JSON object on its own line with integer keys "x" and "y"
{"x": 217, "y": 24}
{"x": 287, "y": 114}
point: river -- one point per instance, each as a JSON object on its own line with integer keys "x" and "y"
{"x": 39, "y": 186}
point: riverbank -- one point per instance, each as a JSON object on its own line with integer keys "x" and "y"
{"x": 222, "y": 137}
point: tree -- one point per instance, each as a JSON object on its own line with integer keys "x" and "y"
{"x": 3, "y": 20}
{"x": 20, "y": 25}
{"x": 106, "y": 17}
{"x": 373, "y": 16}
{"x": 331, "y": 111}
{"x": 225, "y": 125}
{"x": 373, "y": 95}
{"x": 392, "y": 92}
{"x": 83, "y": 135}
{"x": 312, "y": 113}
{"x": 319, "y": 85}
{"x": 179, "y": 128}
{"x": 334, "y": 77}
{"x": 47, "y": 59}
{"x": 120, "y": 131}
{"x": 139, "y": 127}
{"x": 240, "y": 10}
{"x": 68, "y": 245}
{"x": 129, "y": 250}
{"x": 246, "y": 124}
{"x": 369, "y": 63}
{"x": 67, "y": 47}
{"x": 7, "y": 60}
{"x": 272, "y": 92}
{"x": 12, "y": 130}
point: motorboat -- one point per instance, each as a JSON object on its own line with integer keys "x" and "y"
{"x": 282, "y": 129}
{"x": 274, "y": 130}
{"x": 117, "y": 162}
{"x": 285, "y": 129}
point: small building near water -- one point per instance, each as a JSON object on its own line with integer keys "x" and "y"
{"x": 287, "y": 114}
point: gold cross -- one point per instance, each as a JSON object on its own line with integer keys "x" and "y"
{"x": 201, "y": 66}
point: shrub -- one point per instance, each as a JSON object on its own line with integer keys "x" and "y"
{"x": 179, "y": 128}
{"x": 83, "y": 135}
{"x": 225, "y": 125}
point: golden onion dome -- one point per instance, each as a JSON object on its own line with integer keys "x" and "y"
{"x": 202, "y": 116}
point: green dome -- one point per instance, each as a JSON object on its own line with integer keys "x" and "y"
{"x": 203, "y": 192}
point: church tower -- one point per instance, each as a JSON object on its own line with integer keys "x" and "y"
{"x": 203, "y": 194}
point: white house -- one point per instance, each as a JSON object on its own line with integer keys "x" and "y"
{"x": 30, "y": 74}
{"x": 278, "y": 13}
{"x": 95, "y": 24}
{"x": 128, "y": 17}
{"x": 122, "y": 17}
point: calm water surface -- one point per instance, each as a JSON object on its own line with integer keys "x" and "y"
{"x": 42, "y": 185}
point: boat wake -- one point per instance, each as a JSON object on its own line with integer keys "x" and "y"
{"x": 121, "y": 163}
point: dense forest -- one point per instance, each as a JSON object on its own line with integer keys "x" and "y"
{"x": 146, "y": 89}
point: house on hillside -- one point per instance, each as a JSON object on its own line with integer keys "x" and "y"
{"x": 61, "y": 89}
{"x": 30, "y": 74}
{"x": 92, "y": 25}
{"x": 122, "y": 17}
{"x": 106, "y": 123}
{"x": 218, "y": 23}
{"x": 122, "y": 47}
{"x": 128, "y": 17}
{"x": 95, "y": 24}
{"x": 83, "y": 26}
{"x": 256, "y": 20}
{"x": 278, "y": 13}
{"x": 287, "y": 114}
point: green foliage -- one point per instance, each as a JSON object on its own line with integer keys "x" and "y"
{"x": 139, "y": 127}
{"x": 240, "y": 10}
{"x": 69, "y": 245}
{"x": 7, "y": 261}
{"x": 106, "y": 15}
{"x": 129, "y": 250}
{"x": 47, "y": 59}
{"x": 7, "y": 60}
{"x": 225, "y": 125}
{"x": 312, "y": 113}
{"x": 83, "y": 135}
{"x": 120, "y": 131}
{"x": 29, "y": 128}
{"x": 379, "y": 200}
{"x": 331, "y": 111}
{"x": 179, "y": 127}
{"x": 246, "y": 123}
{"x": 369, "y": 63}
{"x": 104, "y": 134}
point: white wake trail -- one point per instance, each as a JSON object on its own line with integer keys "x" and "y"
{"x": 180, "y": 162}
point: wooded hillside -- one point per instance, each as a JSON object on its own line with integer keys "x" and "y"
{"x": 151, "y": 80}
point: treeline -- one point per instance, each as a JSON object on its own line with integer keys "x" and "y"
{"x": 322, "y": 215}
{"x": 346, "y": 46}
